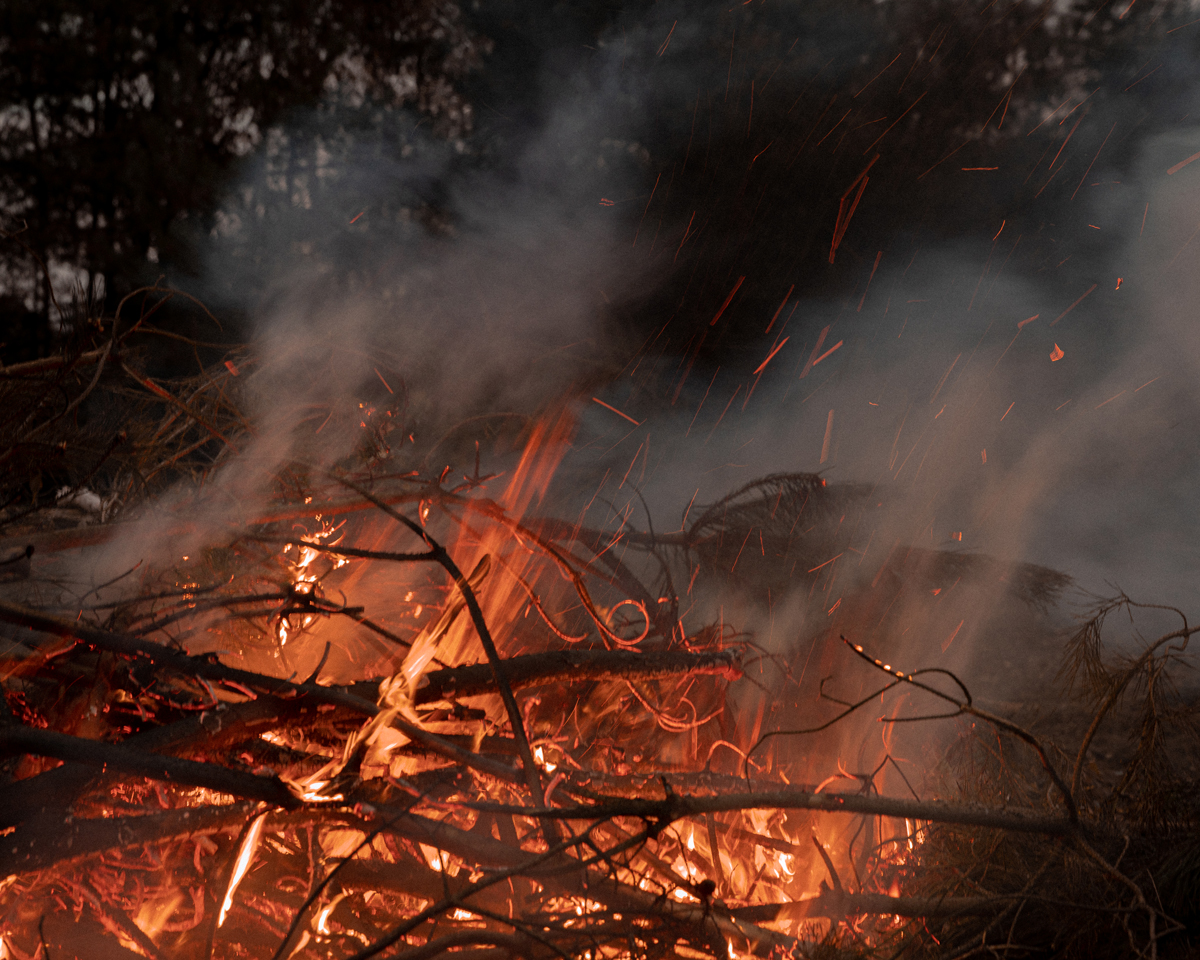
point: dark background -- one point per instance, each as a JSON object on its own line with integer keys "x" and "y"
{"x": 154, "y": 139}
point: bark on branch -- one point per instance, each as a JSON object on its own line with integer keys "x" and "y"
{"x": 566, "y": 666}
{"x": 118, "y": 756}
{"x": 678, "y": 807}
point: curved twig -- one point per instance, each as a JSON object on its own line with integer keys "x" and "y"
{"x": 535, "y": 600}
{"x": 1019, "y": 732}
{"x": 1119, "y": 686}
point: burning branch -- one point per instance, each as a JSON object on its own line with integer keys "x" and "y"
{"x": 560, "y": 666}
{"x": 47, "y": 743}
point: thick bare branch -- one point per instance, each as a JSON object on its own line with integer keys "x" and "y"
{"x": 118, "y": 756}
{"x": 567, "y": 666}
{"x": 677, "y": 807}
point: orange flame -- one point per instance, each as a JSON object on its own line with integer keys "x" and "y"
{"x": 502, "y": 599}
{"x": 244, "y": 858}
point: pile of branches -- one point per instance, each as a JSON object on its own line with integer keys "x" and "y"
{"x": 237, "y": 758}
{"x": 174, "y": 805}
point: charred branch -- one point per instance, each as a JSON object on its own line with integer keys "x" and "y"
{"x": 679, "y": 807}
{"x": 61, "y": 746}
{"x": 569, "y": 666}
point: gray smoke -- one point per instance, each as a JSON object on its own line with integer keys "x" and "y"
{"x": 494, "y": 291}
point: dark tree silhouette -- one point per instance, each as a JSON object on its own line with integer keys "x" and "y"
{"x": 120, "y": 122}
{"x": 121, "y": 125}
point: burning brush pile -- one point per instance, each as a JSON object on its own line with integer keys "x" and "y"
{"x": 399, "y": 714}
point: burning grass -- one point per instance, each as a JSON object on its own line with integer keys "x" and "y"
{"x": 330, "y": 735}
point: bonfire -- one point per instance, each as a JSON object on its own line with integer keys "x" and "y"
{"x": 401, "y": 712}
